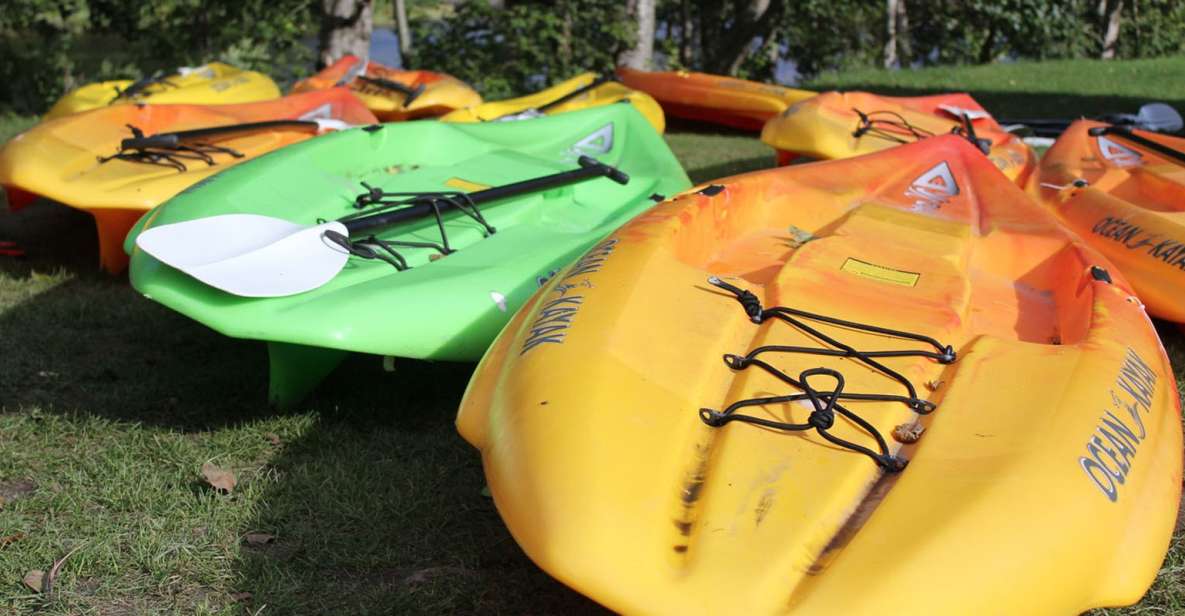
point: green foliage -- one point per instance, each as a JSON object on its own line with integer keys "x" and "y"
{"x": 48, "y": 47}
{"x": 518, "y": 49}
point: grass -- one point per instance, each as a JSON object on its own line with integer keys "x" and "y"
{"x": 362, "y": 500}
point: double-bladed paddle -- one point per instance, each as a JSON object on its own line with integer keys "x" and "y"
{"x": 1155, "y": 117}
{"x": 535, "y": 112}
{"x": 260, "y": 256}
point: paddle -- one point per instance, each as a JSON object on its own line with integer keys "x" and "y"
{"x": 410, "y": 93}
{"x": 1126, "y": 133}
{"x": 535, "y": 112}
{"x": 259, "y": 256}
{"x": 1155, "y": 117}
{"x": 139, "y": 85}
{"x": 172, "y": 139}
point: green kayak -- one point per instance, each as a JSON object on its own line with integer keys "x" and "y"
{"x": 483, "y": 215}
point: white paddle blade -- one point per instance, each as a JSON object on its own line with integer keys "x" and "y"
{"x": 249, "y": 255}
{"x": 1159, "y": 117}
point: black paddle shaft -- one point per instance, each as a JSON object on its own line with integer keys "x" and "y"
{"x": 410, "y": 93}
{"x": 172, "y": 140}
{"x": 589, "y": 168}
{"x": 1125, "y": 133}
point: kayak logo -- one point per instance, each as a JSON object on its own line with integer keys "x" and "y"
{"x": 324, "y": 112}
{"x": 1117, "y": 154}
{"x": 599, "y": 141}
{"x": 933, "y": 188}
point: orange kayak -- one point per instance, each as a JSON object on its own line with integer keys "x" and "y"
{"x": 737, "y": 103}
{"x": 118, "y": 162}
{"x": 812, "y": 389}
{"x": 842, "y": 124}
{"x": 393, "y": 94}
{"x": 1127, "y": 200}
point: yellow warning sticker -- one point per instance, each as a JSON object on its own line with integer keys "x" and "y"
{"x": 465, "y": 185}
{"x": 880, "y": 272}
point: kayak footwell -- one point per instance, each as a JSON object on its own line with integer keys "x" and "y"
{"x": 295, "y": 370}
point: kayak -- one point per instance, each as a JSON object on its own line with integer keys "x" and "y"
{"x": 392, "y": 94}
{"x": 118, "y": 162}
{"x": 1123, "y": 191}
{"x": 580, "y": 92}
{"x": 814, "y": 388}
{"x": 701, "y": 97}
{"x": 428, "y": 290}
{"x": 842, "y": 124}
{"x": 210, "y": 84}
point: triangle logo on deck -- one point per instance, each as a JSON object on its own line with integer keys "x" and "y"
{"x": 1118, "y": 155}
{"x": 933, "y": 188}
{"x": 599, "y": 141}
{"x": 324, "y": 112}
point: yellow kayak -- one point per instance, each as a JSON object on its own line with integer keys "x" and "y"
{"x": 580, "y": 92}
{"x": 888, "y": 384}
{"x": 118, "y": 162}
{"x": 394, "y": 94}
{"x": 210, "y": 84}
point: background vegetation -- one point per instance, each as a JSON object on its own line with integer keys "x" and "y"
{"x": 511, "y": 46}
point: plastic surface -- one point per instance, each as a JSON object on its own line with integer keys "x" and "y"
{"x": 443, "y": 307}
{"x": 728, "y": 101}
{"x": 825, "y": 128}
{"x": 212, "y": 84}
{"x": 62, "y": 159}
{"x": 1126, "y": 201}
{"x": 525, "y": 107}
{"x": 1046, "y": 481}
{"x": 440, "y": 93}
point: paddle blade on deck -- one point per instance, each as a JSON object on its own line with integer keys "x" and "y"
{"x": 249, "y": 255}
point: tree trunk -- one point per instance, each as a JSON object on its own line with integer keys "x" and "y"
{"x": 686, "y": 35}
{"x": 1111, "y": 36}
{"x": 987, "y": 51}
{"x": 904, "y": 42}
{"x": 729, "y": 51}
{"x": 345, "y": 29}
{"x": 404, "y": 28}
{"x": 891, "y": 33}
{"x": 643, "y": 52}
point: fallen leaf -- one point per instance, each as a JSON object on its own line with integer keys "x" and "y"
{"x": 240, "y": 597}
{"x": 12, "y": 490}
{"x": 34, "y": 578}
{"x": 485, "y": 491}
{"x": 272, "y": 438}
{"x": 10, "y": 539}
{"x": 258, "y": 539}
{"x": 219, "y": 478}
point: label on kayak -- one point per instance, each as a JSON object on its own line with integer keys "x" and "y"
{"x": 880, "y": 273}
{"x": 465, "y": 185}
{"x": 1117, "y": 154}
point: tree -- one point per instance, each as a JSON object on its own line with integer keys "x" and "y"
{"x": 345, "y": 29}
{"x": 1111, "y": 11}
{"x": 404, "y": 30}
{"x": 641, "y": 55}
{"x": 897, "y": 47}
{"x": 729, "y": 29}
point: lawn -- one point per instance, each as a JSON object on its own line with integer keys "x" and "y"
{"x": 363, "y": 499}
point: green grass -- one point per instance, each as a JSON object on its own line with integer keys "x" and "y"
{"x": 110, "y": 404}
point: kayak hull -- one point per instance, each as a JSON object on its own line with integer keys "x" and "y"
{"x": 603, "y": 470}
{"x": 444, "y": 307}
{"x": 441, "y": 93}
{"x": 827, "y": 127}
{"x": 700, "y": 97}
{"x": 1131, "y": 208}
{"x": 66, "y": 159}
{"x": 211, "y": 84}
{"x": 604, "y": 94}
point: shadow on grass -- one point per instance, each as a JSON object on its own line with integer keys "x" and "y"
{"x": 377, "y": 508}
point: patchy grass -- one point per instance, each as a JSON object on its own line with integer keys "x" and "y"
{"x": 362, "y": 500}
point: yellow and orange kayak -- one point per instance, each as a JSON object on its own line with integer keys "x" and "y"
{"x": 812, "y": 389}
{"x": 393, "y": 94}
{"x": 842, "y": 124}
{"x": 210, "y": 84}
{"x": 1127, "y": 199}
{"x": 118, "y": 162}
{"x": 701, "y": 97}
{"x": 580, "y": 92}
